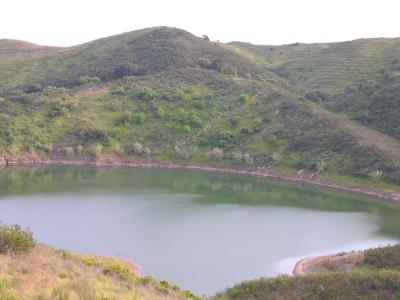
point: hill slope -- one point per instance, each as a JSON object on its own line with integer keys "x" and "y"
{"x": 372, "y": 274}
{"x": 359, "y": 79}
{"x": 162, "y": 94}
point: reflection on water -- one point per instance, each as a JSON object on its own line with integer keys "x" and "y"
{"x": 202, "y": 231}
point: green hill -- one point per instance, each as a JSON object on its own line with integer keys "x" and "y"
{"x": 358, "y": 79}
{"x": 162, "y": 94}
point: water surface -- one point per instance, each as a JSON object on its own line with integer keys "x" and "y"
{"x": 202, "y": 231}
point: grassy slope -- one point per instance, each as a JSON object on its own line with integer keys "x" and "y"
{"x": 374, "y": 274}
{"x": 46, "y": 273}
{"x": 328, "y": 67}
{"x": 197, "y": 95}
{"x": 358, "y": 79}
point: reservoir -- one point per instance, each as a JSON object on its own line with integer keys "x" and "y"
{"x": 201, "y": 231}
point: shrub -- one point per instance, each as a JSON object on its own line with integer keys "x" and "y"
{"x": 257, "y": 125}
{"x": 118, "y": 149}
{"x": 160, "y": 112}
{"x": 248, "y": 159}
{"x": 14, "y": 239}
{"x": 244, "y": 98}
{"x": 69, "y": 151}
{"x": 237, "y": 157}
{"x": 33, "y": 88}
{"x": 221, "y": 139}
{"x": 79, "y": 149}
{"x": 147, "y": 151}
{"x": 376, "y": 175}
{"x": 234, "y": 121}
{"x": 140, "y": 118}
{"x": 88, "y": 80}
{"x": 182, "y": 152}
{"x": 215, "y": 154}
{"x": 145, "y": 94}
{"x": 137, "y": 148}
{"x": 272, "y": 140}
{"x": 276, "y": 158}
{"x": 58, "y": 109}
{"x": 127, "y": 69}
{"x": 321, "y": 166}
{"x": 187, "y": 129}
{"x": 96, "y": 150}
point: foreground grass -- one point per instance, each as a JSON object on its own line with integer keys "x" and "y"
{"x": 46, "y": 273}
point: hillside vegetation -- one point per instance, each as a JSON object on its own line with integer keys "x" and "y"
{"x": 373, "y": 274}
{"x": 162, "y": 94}
{"x": 358, "y": 79}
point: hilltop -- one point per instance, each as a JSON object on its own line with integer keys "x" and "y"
{"x": 163, "y": 94}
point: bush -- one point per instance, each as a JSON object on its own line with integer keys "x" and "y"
{"x": 137, "y": 148}
{"x": 69, "y": 151}
{"x": 244, "y": 98}
{"x": 145, "y": 94}
{"x": 140, "y": 118}
{"x": 88, "y": 80}
{"x": 14, "y": 239}
{"x": 215, "y": 154}
{"x": 234, "y": 121}
{"x": 376, "y": 175}
{"x": 96, "y": 150}
{"x": 127, "y": 69}
{"x": 33, "y": 88}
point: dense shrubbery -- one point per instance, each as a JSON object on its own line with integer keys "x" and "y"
{"x": 358, "y": 285}
{"x": 14, "y": 239}
{"x": 383, "y": 258}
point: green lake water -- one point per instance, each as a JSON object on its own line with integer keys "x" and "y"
{"x": 202, "y": 231}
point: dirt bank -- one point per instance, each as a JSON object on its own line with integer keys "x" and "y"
{"x": 318, "y": 264}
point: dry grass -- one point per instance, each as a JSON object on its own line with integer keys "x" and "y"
{"x": 46, "y": 273}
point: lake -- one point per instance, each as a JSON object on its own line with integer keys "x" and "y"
{"x": 202, "y": 231}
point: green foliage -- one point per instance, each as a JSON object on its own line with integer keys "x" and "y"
{"x": 58, "y": 109}
{"x": 356, "y": 285}
{"x": 145, "y": 94}
{"x": 140, "y": 118}
{"x": 220, "y": 139}
{"x": 382, "y": 258}
{"x": 33, "y": 88}
{"x": 14, "y": 239}
{"x": 234, "y": 121}
{"x": 244, "y": 98}
{"x": 126, "y": 69}
{"x": 89, "y": 80}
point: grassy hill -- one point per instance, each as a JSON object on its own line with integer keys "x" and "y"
{"x": 358, "y": 79}
{"x": 34, "y": 271}
{"x": 162, "y": 94}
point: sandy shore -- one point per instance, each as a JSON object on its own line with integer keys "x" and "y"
{"x": 308, "y": 265}
{"x": 394, "y": 198}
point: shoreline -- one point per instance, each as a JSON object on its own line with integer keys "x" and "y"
{"x": 302, "y": 266}
{"x": 393, "y": 198}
